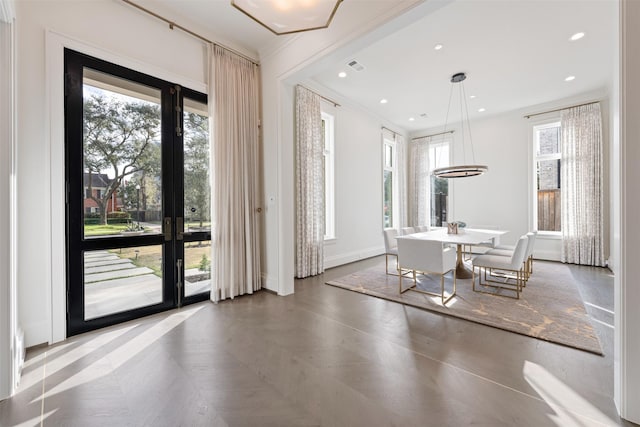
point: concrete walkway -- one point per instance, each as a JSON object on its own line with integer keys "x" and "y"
{"x": 114, "y": 284}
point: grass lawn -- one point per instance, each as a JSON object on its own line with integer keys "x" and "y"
{"x": 151, "y": 256}
{"x": 103, "y": 230}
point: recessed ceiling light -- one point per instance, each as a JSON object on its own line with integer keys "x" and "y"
{"x": 481, "y": 110}
{"x": 569, "y": 78}
{"x": 411, "y": 119}
{"x": 438, "y": 46}
{"x": 342, "y": 74}
{"x": 576, "y": 36}
{"x": 383, "y": 101}
{"x": 472, "y": 97}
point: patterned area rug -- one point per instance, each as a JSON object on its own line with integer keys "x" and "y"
{"x": 550, "y": 308}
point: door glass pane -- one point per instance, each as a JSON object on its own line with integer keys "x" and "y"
{"x": 197, "y": 187}
{"x": 122, "y": 279}
{"x": 197, "y": 267}
{"x": 121, "y": 156}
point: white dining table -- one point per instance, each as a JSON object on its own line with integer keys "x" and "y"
{"x": 465, "y": 236}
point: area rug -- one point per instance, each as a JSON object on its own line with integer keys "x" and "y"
{"x": 550, "y": 308}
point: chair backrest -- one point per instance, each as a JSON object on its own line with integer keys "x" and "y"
{"x": 531, "y": 236}
{"x": 422, "y": 228}
{"x": 390, "y": 239}
{"x": 519, "y": 252}
{"x": 407, "y": 230}
{"x": 425, "y": 255}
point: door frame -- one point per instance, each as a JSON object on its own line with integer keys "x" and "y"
{"x": 55, "y": 322}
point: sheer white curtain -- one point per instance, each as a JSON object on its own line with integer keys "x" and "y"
{"x": 234, "y": 130}
{"x": 309, "y": 184}
{"x": 581, "y": 180}
{"x": 419, "y": 182}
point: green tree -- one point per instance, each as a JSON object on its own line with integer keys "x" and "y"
{"x": 120, "y": 137}
{"x": 197, "y": 188}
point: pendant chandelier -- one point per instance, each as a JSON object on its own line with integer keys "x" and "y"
{"x": 289, "y": 16}
{"x": 464, "y": 170}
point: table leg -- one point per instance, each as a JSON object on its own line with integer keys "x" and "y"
{"x": 462, "y": 272}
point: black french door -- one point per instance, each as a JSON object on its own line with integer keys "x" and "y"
{"x": 138, "y": 222}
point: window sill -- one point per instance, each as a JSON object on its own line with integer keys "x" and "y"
{"x": 549, "y": 235}
{"x": 330, "y": 240}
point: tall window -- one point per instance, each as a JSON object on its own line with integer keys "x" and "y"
{"x": 389, "y": 184}
{"x": 548, "y": 160}
{"x": 329, "y": 193}
{"x": 439, "y": 158}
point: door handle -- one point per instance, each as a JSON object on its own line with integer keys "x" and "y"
{"x": 180, "y": 233}
{"x": 179, "y": 281}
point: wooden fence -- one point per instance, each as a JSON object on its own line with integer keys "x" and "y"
{"x": 549, "y": 210}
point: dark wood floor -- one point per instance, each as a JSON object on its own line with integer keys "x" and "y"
{"x": 323, "y": 356}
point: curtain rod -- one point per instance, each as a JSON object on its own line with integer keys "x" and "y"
{"x": 560, "y": 109}
{"x": 391, "y": 130}
{"x": 433, "y": 134}
{"x": 173, "y": 25}
{"x": 335, "y": 104}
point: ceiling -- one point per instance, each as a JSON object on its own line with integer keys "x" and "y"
{"x": 516, "y": 54}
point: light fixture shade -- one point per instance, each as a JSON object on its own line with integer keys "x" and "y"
{"x": 289, "y": 16}
{"x": 460, "y": 171}
{"x": 463, "y": 170}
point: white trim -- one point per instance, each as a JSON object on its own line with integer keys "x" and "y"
{"x": 329, "y": 170}
{"x": 546, "y": 255}
{"x": 395, "y": 194}
{"x": 346, "y": 258}
{"x": 54, "y": 204}
{"x": 9, "y": 357}
{"x": 433, "y": 146}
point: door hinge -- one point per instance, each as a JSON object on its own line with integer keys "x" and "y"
{"x": 178, "y": 111}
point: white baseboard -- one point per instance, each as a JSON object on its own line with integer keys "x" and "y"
{"x": 36, "y": 334}
{"x": 346, "y": 258}
{"x": 547, "y": 255}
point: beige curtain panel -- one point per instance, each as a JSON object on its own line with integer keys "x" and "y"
{"x": 420, "y": 183}
{"x": 309, "y": 184}
{"x": 581, "y": 186}
{"x": 234, "y": 130}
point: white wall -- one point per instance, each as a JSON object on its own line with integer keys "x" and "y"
{"x": 281, "y": 69}
{"x": 627, "y": 297}
{"x": 358, "y": 188}
{"x": 503, "y": 197}
{"x": 121, "y": 35}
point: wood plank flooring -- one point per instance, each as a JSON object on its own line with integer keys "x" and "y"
{"x": 323, "y": 356}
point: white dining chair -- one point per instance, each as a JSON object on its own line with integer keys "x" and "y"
{"x": 422, "y": 228}
{"x": 426, "y": 257}
{"x": 507, "y": 250}
{"x": 390, "y": 247}
{"x": 511, "y": 264}
{"x": 407, "y": 230}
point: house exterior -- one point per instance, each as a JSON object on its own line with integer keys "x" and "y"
{"x": 97, "y": 188}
